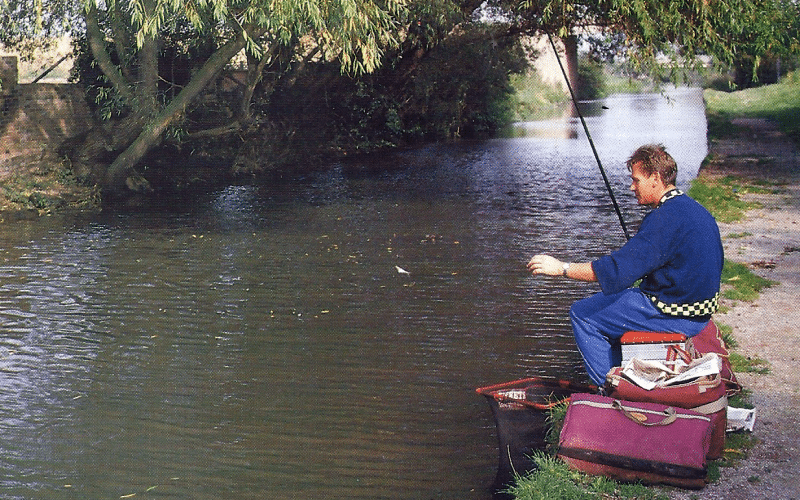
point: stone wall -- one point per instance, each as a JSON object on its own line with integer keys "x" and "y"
{"x": 9, "y": 75}
{"x": 35, "y": 119}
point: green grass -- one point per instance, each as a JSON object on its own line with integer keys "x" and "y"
{"x": 536, "y": 100}
{"x": 553, "y": 480}
{"x": 749, "y": 364}
{"x": 739, "y": 283}
{"x": 615, "y": 84}
{"x": 737, "y": 446}
{"x": 779, "y": 102}
{"x": 727, "y": 336}
{"x": 722, "y": 197}
{"x": 555, "y": 420}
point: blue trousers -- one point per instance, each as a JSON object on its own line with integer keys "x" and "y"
{"x": 599, "y": 321}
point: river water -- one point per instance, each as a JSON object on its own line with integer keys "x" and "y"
{"x": 259, "y": 342}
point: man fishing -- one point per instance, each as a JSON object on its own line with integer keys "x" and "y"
{"x": 677, "y": 254}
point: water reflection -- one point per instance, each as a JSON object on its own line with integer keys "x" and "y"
{"x": 258, "y": 342}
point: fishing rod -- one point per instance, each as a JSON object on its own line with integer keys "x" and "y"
{"x": 589, "y": 136}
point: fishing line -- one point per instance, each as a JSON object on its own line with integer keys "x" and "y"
{"x": 589, "y": 136}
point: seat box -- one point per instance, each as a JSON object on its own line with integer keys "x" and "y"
{"x": 649, "y": 345}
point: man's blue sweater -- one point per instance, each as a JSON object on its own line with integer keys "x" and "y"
{"x": 677, "y": 253}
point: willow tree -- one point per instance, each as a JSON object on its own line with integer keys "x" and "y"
{"x": 125, "y": 38}
{"x": 664, "y": 37}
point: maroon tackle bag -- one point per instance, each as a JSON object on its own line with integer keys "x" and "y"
{"x": 627, "y": 441}
{"x": 704, "y": 395}
{"x": 710, "y": 340}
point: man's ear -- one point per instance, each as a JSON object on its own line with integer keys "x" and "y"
{"x": 657, "y": 177}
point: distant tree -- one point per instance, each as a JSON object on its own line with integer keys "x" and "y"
{"x": 769, "y": 46}
{"x": 458, "y": 88}
{"x": 26, "y": 26}
{"x": 662, "y": 37}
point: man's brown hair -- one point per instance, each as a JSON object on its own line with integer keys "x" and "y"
{"x": 653, "y": 158}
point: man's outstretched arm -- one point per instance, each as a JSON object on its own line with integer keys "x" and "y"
{"x": 546, "y": 264}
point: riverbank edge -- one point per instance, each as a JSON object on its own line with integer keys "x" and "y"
{"x": 33, "y": 189}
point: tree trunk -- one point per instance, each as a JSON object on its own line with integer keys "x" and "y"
{"x": 255, "y": 70}
{"x": 150, "y": 134}
{"x": 96, "y": 40}
{"x": 571, "y": 56}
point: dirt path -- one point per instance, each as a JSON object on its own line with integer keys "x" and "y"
{"x": 768, "y": 240}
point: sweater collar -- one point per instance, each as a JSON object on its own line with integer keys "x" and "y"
{"x": 672, "y": 193}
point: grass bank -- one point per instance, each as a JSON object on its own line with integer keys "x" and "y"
{"x": 779, "y": 103}
{"x": 535, "y": 99}
{"x": 723, "y": 197}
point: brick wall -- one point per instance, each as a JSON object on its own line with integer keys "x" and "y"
{"x": 35, "y": 119}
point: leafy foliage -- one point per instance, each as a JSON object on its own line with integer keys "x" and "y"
{"x": 27, "y": 26}
{"x": 590, "y": 74}
{"x": 459, "y": 88}
{"x": 647, "y": 32}
{"x": 771, "y": 39}
{"x": 124, "y": 38}
{"x": 437, "y": 68}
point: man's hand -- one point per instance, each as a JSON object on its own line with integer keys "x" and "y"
{"x": 545, "y": 264}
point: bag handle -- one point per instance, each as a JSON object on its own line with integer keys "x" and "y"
{"x": 641, "y": 419}
{"x": 675, "y": 353}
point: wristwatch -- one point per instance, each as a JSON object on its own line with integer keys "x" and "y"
{"x": 565, "y": 267}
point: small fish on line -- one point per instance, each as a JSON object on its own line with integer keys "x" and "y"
{"x": 400, "y": 270}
